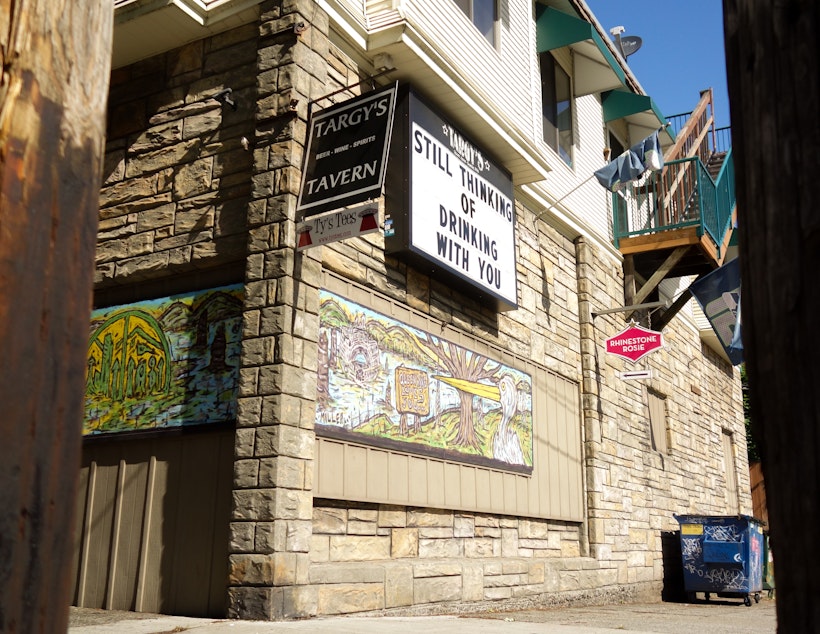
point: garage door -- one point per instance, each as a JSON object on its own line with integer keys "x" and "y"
{"x": 152, "y": 523}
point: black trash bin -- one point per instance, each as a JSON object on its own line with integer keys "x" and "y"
{"x": 722, "y": 555}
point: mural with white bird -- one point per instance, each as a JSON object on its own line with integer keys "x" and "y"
{"x": 384, "y": 382}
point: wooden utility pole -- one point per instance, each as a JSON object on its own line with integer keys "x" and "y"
{"x": 55, "y": 58}
{"x": 772, "y": 66}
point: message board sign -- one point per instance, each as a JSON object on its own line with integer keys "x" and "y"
{"x": 453, "y": 206}
{"x": 346, "y": 154}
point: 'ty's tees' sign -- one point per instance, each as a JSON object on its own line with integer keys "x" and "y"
{"x": 634, "y": 343}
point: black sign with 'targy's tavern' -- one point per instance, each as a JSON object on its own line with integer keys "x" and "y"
{"x": 347, "y": 152}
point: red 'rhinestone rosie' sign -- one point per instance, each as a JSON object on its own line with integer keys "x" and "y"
{"x": 634, "y": 343}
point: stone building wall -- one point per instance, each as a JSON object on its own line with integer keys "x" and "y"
{"x": 176, "y": 171}
{"x": 196, "y": 191}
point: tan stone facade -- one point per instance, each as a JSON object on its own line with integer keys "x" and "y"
{"x": 197, "y": 194}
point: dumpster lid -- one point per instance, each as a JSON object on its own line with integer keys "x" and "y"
{"x": 701, "y": 519}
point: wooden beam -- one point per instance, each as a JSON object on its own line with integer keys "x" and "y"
{"x": 662, "y": 240}
{"x": 667, "y": 315}
{"x": 776, "y": 165}
{"x": 661, "y": 273}
{"x": 629, "y": 280}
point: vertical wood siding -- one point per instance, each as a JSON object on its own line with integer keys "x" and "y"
{"x": 152, "y": 522}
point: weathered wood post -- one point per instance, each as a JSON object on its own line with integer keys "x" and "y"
{"x": 774, "y": 86}
{"x": 55, "y": 67}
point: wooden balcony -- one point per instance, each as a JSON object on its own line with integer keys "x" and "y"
{"x": 679, "y": 221}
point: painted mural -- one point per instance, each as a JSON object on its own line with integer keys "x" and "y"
{"x": 164, "y": 363}
{"x": 386, "y": 383}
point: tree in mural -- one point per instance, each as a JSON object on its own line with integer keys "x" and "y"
{"x": 467, "y": 366}
{"x": 322, "y": 380}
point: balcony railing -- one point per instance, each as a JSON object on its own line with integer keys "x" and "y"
{"x": 682, "y": 195}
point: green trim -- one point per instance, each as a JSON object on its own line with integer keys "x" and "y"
{"x": 618, "y": 104}
{"x": 554, "y": 29}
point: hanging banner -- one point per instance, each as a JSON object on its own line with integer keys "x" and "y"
{"x": 718, "y": 294}
{"x": 346, "y": 153}
{"x": 634, "y": 343}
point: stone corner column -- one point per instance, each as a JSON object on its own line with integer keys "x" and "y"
{"x": 271, "y": 522}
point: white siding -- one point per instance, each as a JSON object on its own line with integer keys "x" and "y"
{"x": 502, "y": 76}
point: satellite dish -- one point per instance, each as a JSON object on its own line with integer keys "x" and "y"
{"x": 630, "y": 44}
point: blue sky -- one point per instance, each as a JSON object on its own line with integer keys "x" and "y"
{"x": 682, "y": 51}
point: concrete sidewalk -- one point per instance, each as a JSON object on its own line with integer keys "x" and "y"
{"x": 716, "y": 617}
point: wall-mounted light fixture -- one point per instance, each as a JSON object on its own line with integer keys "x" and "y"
{"x": 224, "y": 97}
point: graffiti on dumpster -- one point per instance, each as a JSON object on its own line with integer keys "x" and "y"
{"x": 728, "y": 578}
{"x": 729, "y": 533}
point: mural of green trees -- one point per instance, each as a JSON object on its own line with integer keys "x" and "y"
{"x": 163, "y": 363}
{"x": 386, "y": 383}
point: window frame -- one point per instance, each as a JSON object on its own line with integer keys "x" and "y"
{"x": 468, "y": 8}
{"x": 560, "y": 81}
{"x": 658, "y": 423}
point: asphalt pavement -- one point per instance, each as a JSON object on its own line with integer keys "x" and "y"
{"x": 714, "y": 617}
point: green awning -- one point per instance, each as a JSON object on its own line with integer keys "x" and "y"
{"x": 596, "y": 68}
{"x": 641, "y": 113}
{"x": 622, "y": 103}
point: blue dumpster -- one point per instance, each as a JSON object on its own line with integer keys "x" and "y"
{"x": 722, "y": 554}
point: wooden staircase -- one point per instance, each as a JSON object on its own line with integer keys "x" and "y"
{"x": 677, "y": 222}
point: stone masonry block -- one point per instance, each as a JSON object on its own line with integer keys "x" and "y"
{"x": 249, "y": 569}
{"x": 429, "y": 517}
{"x": 254, "y": 603}
{"x": 479, "y": 547}
{"x": 300, "y": 602}
{"x": 392, "y": 516}
{"x": 254, "y": 504}
{"x": 347, "y": 573}
{"x": 359, "y": 547}
{"x": 282, "y": 471}
{"x": 241, "y": 537}
{"x": 472, "y": 582}
{"x": 345, "y": 598}
{"x": 319, "y": 548}
{"x": 398, "y": 586}
{"x": 437, "y": 589}
{"x": 298, "y": 535}
{"x": 291, "y": 504}
{"x": 246, "y": 473}
{"x": 330, "y": 520}
{"x": 270, "y": 537}
{"x": 243, "y": 443}
{"x": 463, "y": 526}
{"x": 436, "y": 548}
{"x": 404, "y": 542}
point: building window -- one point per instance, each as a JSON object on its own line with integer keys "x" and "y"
{"x": 556, "y": 99}
{"x": 657, "y": 423}
{"x": 730, "y": 467}
{"x": 483, "y": 14}
{"x": 620, "y": 216}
